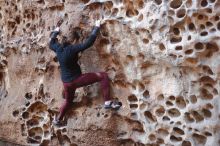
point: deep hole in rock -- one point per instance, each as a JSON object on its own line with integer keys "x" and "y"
{"x": 199, "y": 46}
{"x": 142, "y": 106}
{"x": 160, "y": 97}
{"x": 180, "y": 102}
{"x": 166, "y": 118}
{"x": 175, "y": 40}
{"x": 200, "y": 17}
{"x": 181, "y": 13}
{"x": 188, "y": 117}
{"x": 171, "y": 13}
{"x": 175, "y": 139}
{"x": 174, "y": 112}
{"x": 173, "y": 56}
{"x": 35, "y": 132}
{"x": 27, "y": 104}
{"x": 162, "y": 47}
{"x": 131, "y": 13}
{"x": 209, "y": 106}
{"x": 32, "y": 141}
{"x": 176, "y": 31}
{"x": 193, "y": 99}
{"x": 208, "y": 133}
{"x": 146, "y": 94}
{"x": 45, "y": 142}
{"x": 216, "y": 18}
{"x": 169, "y": 103}
{"x": 202, "y": 26}
{"x": 37, "y": 137}
{"x": 209, "y": 10}
{"x": 160, "y": 111}
{"x": 204, "y": 33}
{"x": 207, "y": 79}
{"x": 172, "y": 97}
{"x": 163, "y": 132}
{"x": 64, "y": 130}
{"x": 85, "y": 1}
{"x": 158, "y": 2}
{"x": 211, "y": 48}
{"x": 152, "y": 137}
{"x": 209, "y": 24}
{"x": 108, "y": 5}
{"x": 178, "y": 131}
{"x": 133, "y": 106}
{"x": 199, "y": 139}
{"x": 41, "y": 2}
{"x": 160, "y": 141}
{"x": 211, "y": 1}
{"x": 198, "y": 117}
{"x": 146, "y": 41}
{"x": 218, "y": 26}
{"x": 132, "y": 98}
{"x": 25, "y": 115}
{"x": 204, "y": 3}
{"x": 175, "y": 4}
{"x": 191, "y": 27}
{"x": 150, "y": 117}
{"x": 32, "y": 122}
{"x": 186, "y": 143}
{"x": 15, "y": 113}
{"x": 189, "y": 37}
{"x": 28, "y": 95}
{"x": 188, "y": 52}
{"x": 114, "y": 12}
{"x": 206, "y": 113}
{"x": 205, "y": 94}
{"x": 212, "y": 30}
{"x": 45, "y": 126}
{"x": 178, "y": 48}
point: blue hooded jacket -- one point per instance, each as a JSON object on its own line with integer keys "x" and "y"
{"x": 68, "y": 55}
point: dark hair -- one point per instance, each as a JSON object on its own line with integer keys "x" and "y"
{"x": 73, "y": 36}
{"x": 65, "y": 42}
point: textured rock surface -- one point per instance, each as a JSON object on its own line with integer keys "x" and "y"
{"x": 162, "y": 58}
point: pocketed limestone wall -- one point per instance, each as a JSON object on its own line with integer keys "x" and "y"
{"x": 162, "y": 58}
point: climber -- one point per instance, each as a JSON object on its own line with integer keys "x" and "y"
{"x": 71, "y": 75}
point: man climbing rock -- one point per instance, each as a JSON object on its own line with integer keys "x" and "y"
{"x": 67, "y": 55}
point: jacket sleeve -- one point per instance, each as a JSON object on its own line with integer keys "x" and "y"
{"x": 88, "y": 43}
{"x": 53, "y": 45}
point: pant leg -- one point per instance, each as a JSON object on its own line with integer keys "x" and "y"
{"x": 90, "y": 78}
{"x": 84, "y": 80}
{"x": 69, "y": 93}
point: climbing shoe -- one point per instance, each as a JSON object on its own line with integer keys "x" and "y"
{"x": 113, "y": 105}
{"x": 56, "y": 122}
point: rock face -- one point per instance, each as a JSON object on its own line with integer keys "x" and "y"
{"x": 162, "y": 58}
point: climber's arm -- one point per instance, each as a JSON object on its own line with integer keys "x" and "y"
{"x": 53, "y": 45}
{"x": 88, "y": 43}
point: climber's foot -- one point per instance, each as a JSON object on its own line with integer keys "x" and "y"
{"x": 57, "y": 122}
{"x": 113, "y": 105}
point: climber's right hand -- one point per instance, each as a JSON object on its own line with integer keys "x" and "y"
{"x": 98, "y": 23}
{"x": 57, "y": 29}
{"x": 55, "y": 32}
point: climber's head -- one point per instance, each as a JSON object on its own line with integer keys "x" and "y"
{"x": 65, "y": 41}
{"x": 72, "y": 37}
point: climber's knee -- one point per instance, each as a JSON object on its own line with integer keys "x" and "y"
{"x": 103, "y": 75}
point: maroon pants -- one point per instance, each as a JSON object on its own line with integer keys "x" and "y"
{"x": 83, "y": 80}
